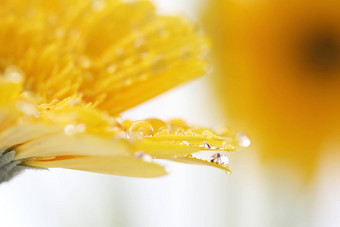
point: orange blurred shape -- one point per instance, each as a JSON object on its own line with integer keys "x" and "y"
{"x": 278, "y": 67}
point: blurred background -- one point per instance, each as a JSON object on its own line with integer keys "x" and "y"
{"x": 253, "y": 195}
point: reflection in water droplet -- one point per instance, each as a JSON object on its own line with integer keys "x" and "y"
{"x": 140, "y": 129}
{"x": 143, "y": 156}
{"x": 221, "y": 159}
{"x": 243, "y": 140}
{"x": 228, "y": 171}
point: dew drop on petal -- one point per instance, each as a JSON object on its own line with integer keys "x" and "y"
{"x": 243, "y": 140}
{"x": 140, "y": 129}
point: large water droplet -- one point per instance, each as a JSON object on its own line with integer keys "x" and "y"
{"x": 140, "y": 129}
{"x": 177, "y": 123}
{"x": 207, "y": 133}
{"x": 243, "y": 140}
{"x": 157, "y": 124}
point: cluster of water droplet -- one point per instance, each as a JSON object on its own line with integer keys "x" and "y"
{"x": 180, "y": 133}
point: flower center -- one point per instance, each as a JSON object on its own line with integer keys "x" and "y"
{"x": 322, "y": 51}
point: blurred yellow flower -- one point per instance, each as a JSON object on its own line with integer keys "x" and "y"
{"x": 68, "y": 70}
{"x": 279, "y": 74}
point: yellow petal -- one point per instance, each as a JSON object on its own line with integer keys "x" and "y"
{"x": 64, "y": 145}
{"x": 122, "y": 166}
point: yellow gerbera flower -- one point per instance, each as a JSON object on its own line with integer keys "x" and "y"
{"x": 68, "y": 70}
{"x": 279, "y": 74}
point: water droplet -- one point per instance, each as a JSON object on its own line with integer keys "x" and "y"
{"x": 13, "y": 74}
{"x": 140, "y": 129}
{"x": 75, "y": 101}
{"x": 177, "y": 123}
{"x": 111, "y": 68}
{"x": 126, "y": 124}
{"x": 141, "y": 47}
{"x": 185, "y": 53}
{"x": 60, "y": 32}
{"x": 27, "y": 108}
{"x": 243, "y": 140}
{"x": 186, "y": 143}
{"x": 72, "y": 129}
{"x": 158, "y": 64}
{"x": 163, "y": 132}
{"x": 80, "y": 128}
{"x": 206, "y": 145}
{"x": 142, "y": 76}
{"x": 207, "y": 133}
{"x": 127, "y": 81}
{"x": 228, "y": 146}
{"x": 143, "y": 156}
{"x": 228, "y": 171}
{"x": 120, "y": 55}
{"x": 164, "y": 33}
{"x": 224, "y": 131}
{"x": 180, "y": 131}
{"x": 84, "y": 62}
{"x": 157, "y": 124}
{"x": 98, "y": 5}
{"x": 219, "y": 158}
